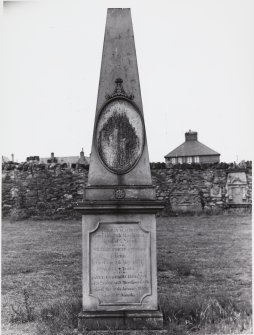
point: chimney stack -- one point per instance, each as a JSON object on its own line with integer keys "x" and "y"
{"x": 82, "y": 154}
{"x": 191, "y": 136}
{"x": 82, "y": 157}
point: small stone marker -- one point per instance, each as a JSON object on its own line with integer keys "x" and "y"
{"x": 118, "y": 214}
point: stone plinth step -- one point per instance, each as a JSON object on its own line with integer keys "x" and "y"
{"x": 121, "y": 320}
{"x": 122, "y": 332}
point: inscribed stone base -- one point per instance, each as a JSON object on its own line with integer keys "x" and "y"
{"x": 122, "y": 320}
{"x": 119, "y": 262}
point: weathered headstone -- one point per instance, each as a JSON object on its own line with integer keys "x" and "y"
{"x": 237, "y": 189}
{"x": 118, "y": 213}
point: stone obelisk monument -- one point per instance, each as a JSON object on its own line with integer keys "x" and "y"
{"x": 118, "y": 212}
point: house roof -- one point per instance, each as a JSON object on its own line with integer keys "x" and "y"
{"x": 68, "y": 159}
{"x": 192, "y": 148}
{"x": 5, "y": 159}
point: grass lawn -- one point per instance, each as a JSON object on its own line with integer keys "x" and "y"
{"x": 204, "y": 275}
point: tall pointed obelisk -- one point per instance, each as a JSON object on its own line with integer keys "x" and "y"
{"x": 115, "y": 159}
{"x": 118, "y": 213}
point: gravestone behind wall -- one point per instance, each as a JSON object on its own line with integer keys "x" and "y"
{"x": 237, "y": 188}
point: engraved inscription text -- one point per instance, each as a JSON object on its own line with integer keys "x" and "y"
{"x": 120, "y": 271}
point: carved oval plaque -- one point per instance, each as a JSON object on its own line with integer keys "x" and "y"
{"x": 120, "y": 136}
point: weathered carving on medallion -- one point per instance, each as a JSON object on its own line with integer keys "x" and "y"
{"x": 120, "y": 136}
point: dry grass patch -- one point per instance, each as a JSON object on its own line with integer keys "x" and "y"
{"x": 60, "y": 318}
{"x": 221, "y": 314}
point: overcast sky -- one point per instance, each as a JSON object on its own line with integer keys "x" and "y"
{"x": 196, "y": 68}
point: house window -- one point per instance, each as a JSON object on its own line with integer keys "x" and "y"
{"x": 196, "y": 159}
{"x": 189, "y": 160}
{"x": 173, "y": 160}
{"x": 180, "y": 160}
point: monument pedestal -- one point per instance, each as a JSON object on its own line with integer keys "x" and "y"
{"x": 122, "y": 320}
{"x": 119, "y": 265}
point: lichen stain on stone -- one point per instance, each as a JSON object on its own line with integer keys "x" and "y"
{"x": 118, "y": 143}
{"x": 119, "y": 136}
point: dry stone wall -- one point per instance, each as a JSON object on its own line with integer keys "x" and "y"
{"x": 42, "y": 191}
{"x": 198, "y": 187}
{"x": 49, "y": 191}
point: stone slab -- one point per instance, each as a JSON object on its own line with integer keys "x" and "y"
{"x": 185, "y": 201}
{"x": 120, "y": 320}
{"x": 144, "y": 192}
{"x": 119, "y": 262}
{"x": 119, "y": 207}
{"x": 237, "y": 188}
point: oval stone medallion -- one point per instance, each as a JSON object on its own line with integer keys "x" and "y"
{"x": 120, "y": 136}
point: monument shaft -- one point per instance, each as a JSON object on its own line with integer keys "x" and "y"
{"x": 119, "y": 86}
{"x": 118, "y": 213}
